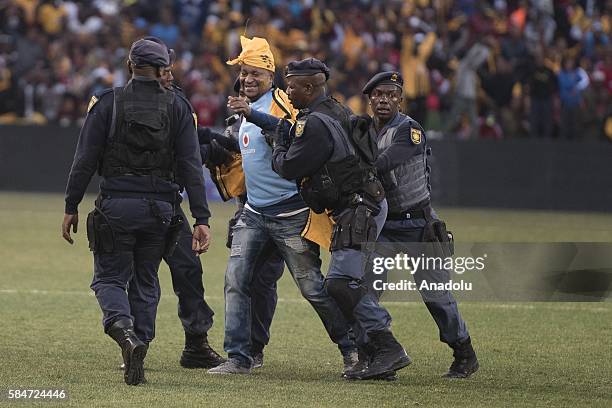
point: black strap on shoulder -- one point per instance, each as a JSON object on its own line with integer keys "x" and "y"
{"x": 117, "y": 99}
{"x": 327, "y": 121}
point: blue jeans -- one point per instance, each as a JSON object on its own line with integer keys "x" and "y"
{"x": 268, "y": 270}
{"x": 139, "y": 243}
{"x": 444, "y": 309}
{"x": 254, "y": 236}
{"x": 350, "y": 264}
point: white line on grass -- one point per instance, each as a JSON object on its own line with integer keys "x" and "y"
{"x": 542, "y": 305}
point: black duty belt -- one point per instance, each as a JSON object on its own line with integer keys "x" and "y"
{"x": 170, "y": 197}
{"x": 417, "y": 213}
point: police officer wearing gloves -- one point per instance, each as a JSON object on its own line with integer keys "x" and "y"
{"x": 335, "y": 173}
{"x": 402, "y": 165}
{"x": 141, "y": 138}
{"x": 274, "y": 216}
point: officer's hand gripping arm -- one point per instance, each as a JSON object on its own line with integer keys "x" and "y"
{"x": 281, "y": 136}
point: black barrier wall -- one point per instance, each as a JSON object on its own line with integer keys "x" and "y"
{"x": 521, "y": 173}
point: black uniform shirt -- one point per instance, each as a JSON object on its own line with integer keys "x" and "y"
{"x": 312, "y": 146}
{"x": 93, "y": 139}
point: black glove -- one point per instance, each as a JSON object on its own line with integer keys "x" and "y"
{"x": 217, "y": 154}
{"x": 281, "y": 135}
{"x": 226, "y": 142}
{"x": 204, "y": 135}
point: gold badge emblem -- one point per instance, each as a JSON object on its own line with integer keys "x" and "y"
{"x": 394, "y": 77}
{"x": 299, "y": 127}
{"x": 92, "y": 102}
{"x": 416, "y": 136}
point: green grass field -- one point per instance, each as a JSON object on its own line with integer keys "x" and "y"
{"x": 536, "y": 354}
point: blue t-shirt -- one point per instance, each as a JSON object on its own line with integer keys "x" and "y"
{"x": 264, "y": 186}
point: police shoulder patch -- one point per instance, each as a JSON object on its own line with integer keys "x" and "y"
{"x": 416, "y": 136}
{"x": 299, "y": 127}
{"x": 94, "y": 99}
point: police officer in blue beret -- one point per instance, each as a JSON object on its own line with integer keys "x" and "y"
{"x": 335, "y": 173}
{"x": 142, "y": 140}
{"x": 402, "y": 164}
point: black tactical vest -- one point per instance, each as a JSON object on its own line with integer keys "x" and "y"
{"x": 345, "y": 180}
{"x": 140, "y": 142}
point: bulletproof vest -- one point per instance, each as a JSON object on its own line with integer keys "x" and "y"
{"x": 407, "y": 184}
{"x": 140, "y": 142}
{"x": 334, "y": 185}
{"x": 336, "y": 111}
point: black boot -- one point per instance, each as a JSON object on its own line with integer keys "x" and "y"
{"x": 133, "y": 351}
{"x": 366, "y": 353}
{"x": 389, "y": 356}
{"x": 198, "y": 353}
{"x": 465, "y": 363}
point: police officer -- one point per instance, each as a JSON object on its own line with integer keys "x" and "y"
{"x": 402, "y": 164}
{"x": 333, "y": 175}
{"x": 186, "y": 272}
{"x": 274, "y": 216}
{"x": 141, "y": 138}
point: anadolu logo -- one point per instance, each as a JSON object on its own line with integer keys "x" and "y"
{"x": 245, "y": 140}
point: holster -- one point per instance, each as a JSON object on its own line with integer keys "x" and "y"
{"x": 172, "y": 234}
{"x": 99, "y": 232}
{"x": 435, "y": 232}
{"x": 354, "y": 228}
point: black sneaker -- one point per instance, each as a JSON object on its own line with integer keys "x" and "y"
{"x": 389, "y": 356}
{"x": 198, "y": 353}
{"x": 258, "y": 360}
{"x": 133, "y": 351}
{"x": 465, "y": 363}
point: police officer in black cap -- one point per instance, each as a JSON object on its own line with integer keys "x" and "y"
{"x": 335, "y": 173}
{"x": 402, "y": 165}
{"x": 141, "y": 139}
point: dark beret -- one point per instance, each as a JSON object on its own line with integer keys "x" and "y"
{"x": 306, "y": 67}
{"x": 148, "y": 52}
{"x": 384, "y": 78}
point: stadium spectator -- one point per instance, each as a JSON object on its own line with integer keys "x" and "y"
{"x": 541, "y": 86}
{"x": 573, "y": 81}
{"x": 466, "y": 89}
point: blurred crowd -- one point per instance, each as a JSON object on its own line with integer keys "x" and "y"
{"x": 472, "y": 68}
